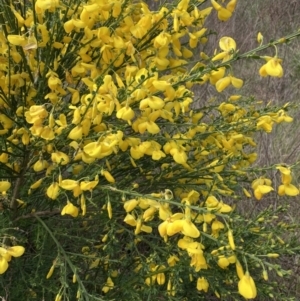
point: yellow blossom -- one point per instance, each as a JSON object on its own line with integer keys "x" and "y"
{"x": 4, "y": 186}
{"x": 272, "y": 67}
{"x": 202, "y": 284}
{"x": 247, "y": 287}
{"x": 70, "y": 209}
{"x": 53, "y": 191}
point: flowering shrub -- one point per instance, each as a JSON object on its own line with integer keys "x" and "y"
{"x": 119, "y": 182}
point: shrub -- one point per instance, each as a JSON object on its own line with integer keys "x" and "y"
{"x": 119, "y": 183}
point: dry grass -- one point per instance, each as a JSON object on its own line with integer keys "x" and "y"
{"x": 274, "y": 19}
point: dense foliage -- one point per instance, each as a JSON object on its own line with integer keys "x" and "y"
{"x": 117, "y": 182}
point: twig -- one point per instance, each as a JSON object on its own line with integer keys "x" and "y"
{"x": 40, "y": 213}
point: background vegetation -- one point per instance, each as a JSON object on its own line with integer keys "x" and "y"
{"x": 273, "y": 18}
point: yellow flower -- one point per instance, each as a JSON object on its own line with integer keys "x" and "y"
{"x": 70, "y": 209}
{"x": 4, "y": 186}
{"x": 89, "y": 185}
{"x": 202, "y": 284}
{"x": 130, "y": 205}
{"x": 172, "y": 260}
{"x": 189, "y": 229}
{"x": 60, "y": 158}
{"x": 286, "y": 188}
{"x": 130, "y": 220}
{"x": 153, "y": 102}
{"x": 76, "y": 133}
{"x": 223, "y": 262}
{"x": 69, "y": 184}
{"x": 108, "y": 285}
{"x": 261, "y": 187}
{"x": 160, "y": 277}
{"x": 224, "y": 13}
{"x": 272, "y": 67}
{"x": 247, "y": 287}
{"x": 224, "y": 82}
{"x": 125, "y": 113}
{"x": 179, "y": 155}
{"x": 216, "y": 75}
{"x": 53, "y": 191}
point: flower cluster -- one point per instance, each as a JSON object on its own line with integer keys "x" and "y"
{"x": 7, "y": 253}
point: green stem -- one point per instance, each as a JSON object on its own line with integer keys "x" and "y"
{"x": 85, "y": 294}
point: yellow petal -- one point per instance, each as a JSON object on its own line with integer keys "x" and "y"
{"x": 263, "y": 71}
{"x": 70, "y": 209}
{"x": 108, "y": 176}
{"x": 160, "y": 278}
{"x": 175, "y": 227}
{"x": 259, "y": 37}
{"x": 16, "y": 40}
{"x": 93, "y": 149}
{"x": 281, "y": 190}
{"x": 231, "y": 240}
{"x": 53, "y": 190}
{"x": 109, "y": 209}
{"x": 202, "y": 284}
{"x": 179, "y": 156}
{"x": 216, "y": 5}
{"x": 16, "y": 251}
{"x": 247, "y": 287}
{"x": 68, "y": 184}
{"x": 146, "y": 229}
{"x": 284, "y": 170}
{"x": 152, "y": 127}
{"x": 258, "y": 195}
{"x": 4, "y": 186}
{"x": 88, "y": 185}
{"x": 291, "y": 190}
{"x": 36, "y": 184}
{"x": 220, "y": 56}
{"x": 239, "y": 269}
{"x": 231, "y": 5}
{"x": 227, "y": 44}
{"x": 224, "y": 14}
{"x": 130, "y": 220}
{"x": 60, "y": 158}
{"x": 130, "y": 205}
{"x": 222, "y": 84}
{"x": 223, "y": 262}
{"x": 3, "y": 265}
{"x": 236, "y": 82}
{"x": 264, "y": 189}
{"x": 125, "y": 113}
{"x": 273, "y": 68}
{"x": 162, "y": 228}
{"x": 76, "y": 133}
{"x": 189, "y": 229}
